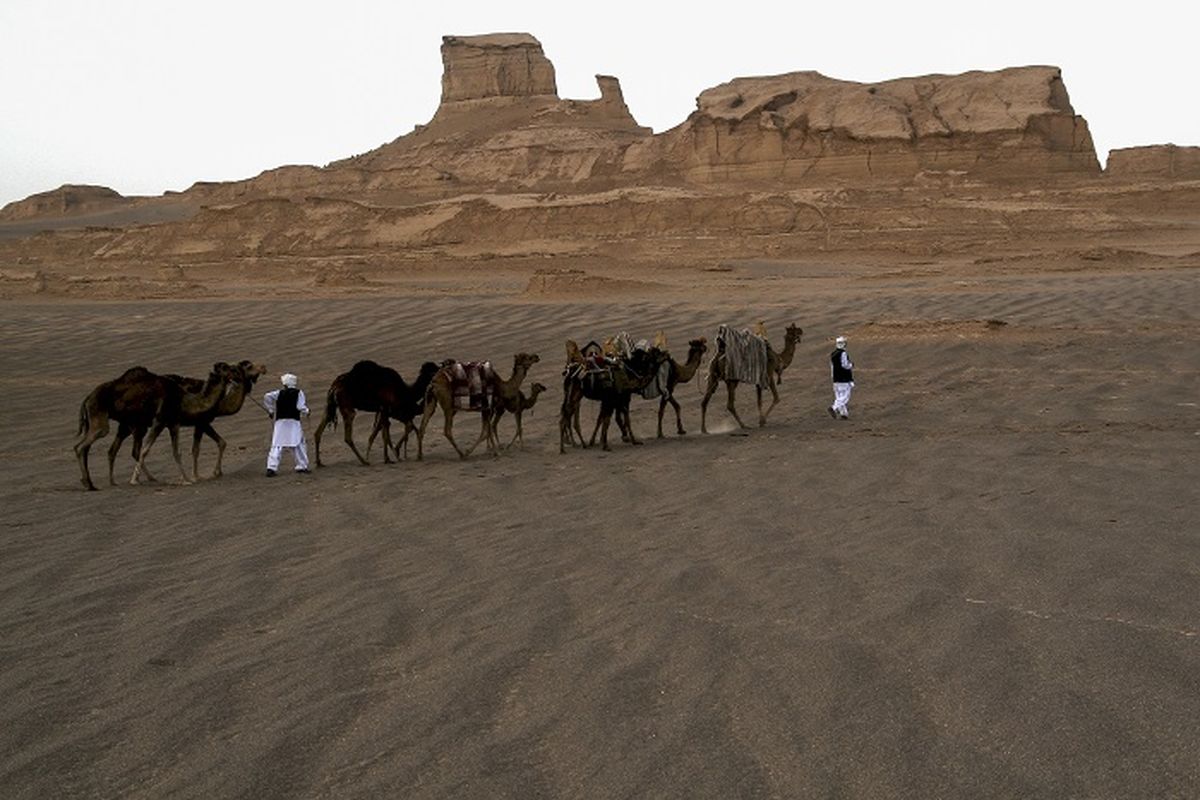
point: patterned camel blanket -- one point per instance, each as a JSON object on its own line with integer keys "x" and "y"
{"x": 745, "y": 355}
{"x": 472, "y": 385}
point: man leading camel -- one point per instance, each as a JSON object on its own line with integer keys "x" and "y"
{"x": 842, "y": 370}
{"x": 285, "y": 406}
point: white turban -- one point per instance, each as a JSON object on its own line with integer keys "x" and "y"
{"x": 289, "y": 380}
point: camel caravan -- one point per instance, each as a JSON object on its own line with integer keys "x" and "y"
{"x": 143, "y": 403}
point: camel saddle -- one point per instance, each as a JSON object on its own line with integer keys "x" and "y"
{"x": 591, "y": 363}
{"x": 472, "y": 385}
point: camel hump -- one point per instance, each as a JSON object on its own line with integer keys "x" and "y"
{"x": 365, "y": 366}
{"x": 135, "y": 373}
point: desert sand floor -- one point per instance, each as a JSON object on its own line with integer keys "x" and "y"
{"x": 984, "y": 585}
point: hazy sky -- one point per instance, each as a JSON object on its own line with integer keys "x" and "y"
{"x": 146, "y": 96}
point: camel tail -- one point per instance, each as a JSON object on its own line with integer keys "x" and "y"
{"x": 83, "y": 419}
{"x": 331, "y": 409}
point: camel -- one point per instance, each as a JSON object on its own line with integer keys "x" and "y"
{"x": 231, "y": 403}
{"x": 613, "y": 391}
{"x": 777, "y": 362}
{"x": 440, "y": 394}
{"x": 141, "y": 401}
{"x": 519, "y": 405}
{"x": 680, "y": 373}
{"x": 371, "y": 387}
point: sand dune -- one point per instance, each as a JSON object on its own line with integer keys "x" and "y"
{"x": 982, "y": 585}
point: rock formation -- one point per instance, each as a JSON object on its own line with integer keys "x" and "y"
{"x": 1165, "y": 161}
{"x": 766, "y": 165}
{"x": 806, "y": 128}
{"x": 65, "y": 200}
{"x": 499, "y": 65}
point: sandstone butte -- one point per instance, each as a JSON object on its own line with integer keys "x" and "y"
{"x": 770, "y": 165}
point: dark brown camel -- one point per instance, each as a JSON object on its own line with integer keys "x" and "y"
{"x": 612, "y": 389}
{"x": 680, "y": 373}
{"x": 517, "y": 407}
{"x": 141, "y": 401}
{"x": 247, "y": 374}
{"x": 440, "y": 394}
{"x": 777, "y": 362}
{"x": 371, "y": 387}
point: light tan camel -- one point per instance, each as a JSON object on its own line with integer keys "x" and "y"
{"x": 521, "y": 403}
{"x": 440, "y": 393}
{"x": 141, "y": 401}
{"x": 777, "y": 362}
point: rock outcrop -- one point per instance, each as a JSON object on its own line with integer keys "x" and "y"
{"x": 499, "y": 65}
{"x": 65, "y": 200}
{"x": 1162, "y": 161}
{"x": 805, "y": 127}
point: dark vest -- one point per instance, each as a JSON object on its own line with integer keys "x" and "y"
{"x": 285, "y": 404}
{"x": 840, "y": 373}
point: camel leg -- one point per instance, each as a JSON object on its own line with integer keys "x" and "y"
{"x": 709, "y": 391}
{"x": 448, "y": 430}
{"x": 425, "y": 415}
{"x": 596, "y": 430}
{"x": 575, "y": 418}
{"x": 139, "y": 436}
{"x": 662, "y": 406}
{"x": 678, "y": 418}
{"x": 348, "y": 424}
{"x": 123, "y": 431}
{"x": 386, "y": 426}
{"x": 210, "y": 432}
{"x": 94, "y": 432}
{"x": 317, "y": 438}
{"x": 625, "y": 421}
{"x": 174, "y": 431}
{"x": 605, "y": 416}
{"x": 381, "y": 423}
{"x": 494, "y": 432}
{"x": 484, "y": 433}
{"x": 774, "y": 401}
{"x": 731, "y": 387}
{"x": 375, "y": 427}
{"x": 564, "y": 422}
{"x": 518, "y": 434}
{"x": 140, "y": 469}
{"x": 408, "y": 428}
{"x": 762, "y": 418}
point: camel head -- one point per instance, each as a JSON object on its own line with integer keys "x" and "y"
{"x": 251, "y": 372}
{"x": 525, "y": 360}
{"x": 793, "y": 333}
{"x": 536, "y": 389}
{"x": 698, "y": 346}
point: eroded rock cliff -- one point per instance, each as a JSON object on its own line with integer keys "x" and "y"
{"x": 805, "y": 127}
{"x": 1163, "y": 161}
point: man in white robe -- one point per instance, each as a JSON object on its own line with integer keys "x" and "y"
{"x": 842, "y": 370}
{"x": 285, "y": 406}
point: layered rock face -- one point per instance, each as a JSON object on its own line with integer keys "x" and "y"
{"x": 1163, "y": 161}
{"x": 806, "y": 127}
{"x": 496, "y": 65}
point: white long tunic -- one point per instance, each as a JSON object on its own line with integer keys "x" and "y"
{"x": 288, "y": 432}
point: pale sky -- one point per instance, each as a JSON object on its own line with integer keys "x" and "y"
{"x": 149, "y": 95}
